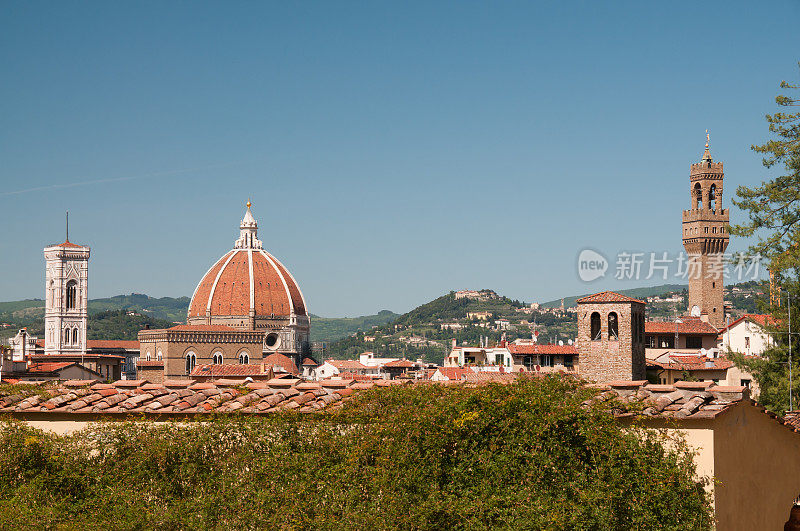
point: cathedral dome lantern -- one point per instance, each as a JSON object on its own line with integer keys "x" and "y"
{"x": 248, "y": 288}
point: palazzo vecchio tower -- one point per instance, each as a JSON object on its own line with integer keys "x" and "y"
{"x": 705, "y": 238}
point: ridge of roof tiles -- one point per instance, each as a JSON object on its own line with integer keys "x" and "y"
{"x": 682, "y": 400}
{"x": 608, "y": 296}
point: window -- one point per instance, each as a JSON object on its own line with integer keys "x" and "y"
{"x": 745, "y": 383}
{"x": 712, "y": 195}
{"x": 694, "y": 342}
{"x": 147, "y": 357}
{"x": 159, "y": 356}
{"x": 74, "y": 336}
{"x": 529, "y": 363}
{"x": 191, "y": 361}
{"x": 545, "y": 360}
{"x": 698, "y": 196}
{"x": 271, "y": 340}
{"x": 652, "y": 342}
{"x": 746, "y": 342}
{"x": 72, "y": 291}
{"x": 595, "y": 324}
{"x": 568, "y": 362}
{"x": 244, "y": 358}
{"x": 66, "y": 336}
{"x": 613, "y": 327}
{"x": 218, "y": 358}
{"x": 666, "y": 342}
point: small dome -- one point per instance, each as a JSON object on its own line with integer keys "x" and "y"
{"x": 247, "y": 282}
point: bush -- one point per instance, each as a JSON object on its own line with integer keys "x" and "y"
{"x": 525, "y": 455}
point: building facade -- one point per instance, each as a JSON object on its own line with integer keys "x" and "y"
{"x": 705, "y": 238}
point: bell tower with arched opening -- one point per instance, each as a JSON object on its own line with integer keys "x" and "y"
{"x": 611, "y": 337}
{"x": 66, "y": 298}
{"x": 705, "y": 238}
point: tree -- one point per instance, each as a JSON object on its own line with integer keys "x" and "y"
{"x": 774, "y": 219}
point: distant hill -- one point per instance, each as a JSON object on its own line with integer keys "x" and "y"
{"x": 333, "y": 328}
{"x": 169, "y": 308}
{"x": 16, "y": 306}
{"x": 637, "y": 293}
{"x": 449, "y": 308}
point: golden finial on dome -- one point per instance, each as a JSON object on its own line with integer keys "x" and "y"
{"x": 708, "y": 137}
{"x": 248, "y": 203}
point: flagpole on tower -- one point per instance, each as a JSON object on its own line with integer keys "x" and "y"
{"x": 67, "y": 225}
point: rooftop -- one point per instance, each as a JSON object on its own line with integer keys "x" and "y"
{"x": 608, "y": 296}
{"x": 683, "y": 400}
{"x": 687, "y": 325}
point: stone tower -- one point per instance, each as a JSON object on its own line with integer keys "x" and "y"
{"x": 705, "y": 239}
{"x": 611, "y": 337}
{"x": 66, "y": 298}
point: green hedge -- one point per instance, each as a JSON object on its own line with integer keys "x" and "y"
{"x": 520, "y": 456}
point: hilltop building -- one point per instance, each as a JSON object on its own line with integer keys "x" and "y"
{"x": 246, "y": 307}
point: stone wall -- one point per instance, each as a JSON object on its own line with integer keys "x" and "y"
{"x": 608, "y": 359}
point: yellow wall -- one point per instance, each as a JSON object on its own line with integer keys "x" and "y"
{"x": 757, "y": 461}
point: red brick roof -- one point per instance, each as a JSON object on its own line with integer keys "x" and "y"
{"x": 309, "y": 362}
{"x": 692, "y": 400}
{"x": 454, "y": 373}
{"x": 692, "y": 363}
{"x": 126, "y": 397}
{"x": 792, "y": 418}
{"x": 758, "y": 318}
{"x": 608, "y": 296}
{"x": 279, "y": 360}
{"x": 68, "y": 244}
{"x": 228, "y": 287}
{"x": 50, "y": 366}
{"x": 403, "y": 363}
{"x": 347, "y": 364}
{"x": 688, "y": 325}
{"x": 541, "y": 349}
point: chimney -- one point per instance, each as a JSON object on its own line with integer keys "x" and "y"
{"x": 704, "y": 317}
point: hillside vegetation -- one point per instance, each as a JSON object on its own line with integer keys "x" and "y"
{"x": 520, "y": 456}
{"x": 636, "y": 293}
{"x": 333, "y": 328}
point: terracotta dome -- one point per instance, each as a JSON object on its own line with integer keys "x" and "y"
{"x": 247, "y": 282}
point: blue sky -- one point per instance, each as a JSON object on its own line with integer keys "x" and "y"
{"x": 392, "y": 152}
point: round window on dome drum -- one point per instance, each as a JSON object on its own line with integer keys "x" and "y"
{"x": 272, "y": 340}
